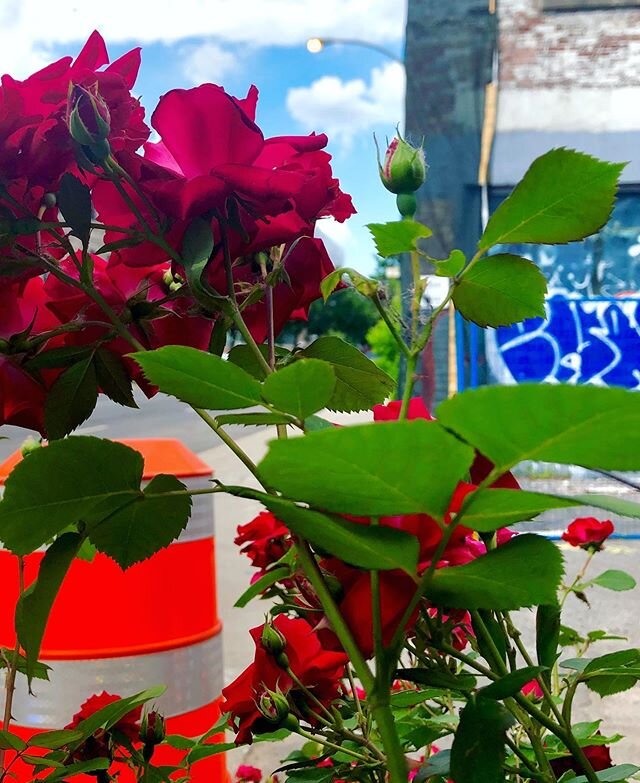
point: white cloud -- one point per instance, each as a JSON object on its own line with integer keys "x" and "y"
{"x": 28, "y": 28}
{"x": 337, "y": 238}
{"x": 344, "y": 108}
{"x": 207, "y": 62}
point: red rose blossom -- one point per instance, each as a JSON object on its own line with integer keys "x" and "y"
{"x": 588, "y": 533}
{"x": 318, "y": 669}
{"x": 98, "y": 745}
{"x": 248, "y": 774}
{"x": 265, "y": 540}
{"x": 598, "y": 755}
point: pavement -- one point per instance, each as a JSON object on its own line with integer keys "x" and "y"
{"x": 616, "y": 613}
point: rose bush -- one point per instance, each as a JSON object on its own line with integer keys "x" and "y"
{"x": 389, "y": 552}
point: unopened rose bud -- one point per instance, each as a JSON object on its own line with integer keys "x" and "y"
{"x": 274, "y": 706}
{"x": 272, "y": 640}
{"x": 404, "y": 169}
{"x": 89, "y": 123}
{"x": 152, "y": 732}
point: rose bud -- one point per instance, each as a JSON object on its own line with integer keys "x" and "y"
{"x": 272, "y": 640}
{"x": 89, "y": 123}
{"x": 248, "y": 774}
{"x": 274, "y": 706}
{"x": 152, "y": 732}
{"x": 404, "y": 169}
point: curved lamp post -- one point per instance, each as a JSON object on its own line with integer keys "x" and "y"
{"x": 317, "y": 44}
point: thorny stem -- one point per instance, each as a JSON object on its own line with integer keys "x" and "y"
{"x": 10, "y": 683}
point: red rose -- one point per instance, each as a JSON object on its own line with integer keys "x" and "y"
{"x": 588, "y": 533}
{"x": 127, "y": 725}
{"x": 98, "y": 745}
{"x": 248, "y": 774}
{"x": 40, "y": 148}
{"x": 266, "y": 539}
{"x": 317, "y": 668}
{"x": 598, "y": 755}
{"x": 532, "y": 689}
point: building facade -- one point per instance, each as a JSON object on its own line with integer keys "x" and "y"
{"x": 561, "y": 73}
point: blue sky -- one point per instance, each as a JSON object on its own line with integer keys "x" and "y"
{"x": 346, "y": 91}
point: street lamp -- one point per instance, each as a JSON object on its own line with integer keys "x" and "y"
{"x": 316, "y": 44}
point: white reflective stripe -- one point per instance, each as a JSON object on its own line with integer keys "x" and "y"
{"x": 193, "y": 676}
{"x": 200, "y": 524}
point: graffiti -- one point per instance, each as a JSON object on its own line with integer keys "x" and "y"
{"x": 582, "y": 341}
{"x": 605, "y": 264}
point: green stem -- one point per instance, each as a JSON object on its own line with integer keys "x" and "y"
{"x": 228, "y": 441}
{"x": 235, "y": 310}
{"x": 337, "y": 622}
{"x": 390, "y": 325}
{"x": 396, "y": 762}
{"x": 327, "y": 743}
{"x": 412, "y": 362}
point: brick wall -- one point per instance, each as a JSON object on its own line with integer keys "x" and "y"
{"x": 572, "y": 49}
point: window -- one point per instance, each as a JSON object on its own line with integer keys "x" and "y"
{"x": 586, "y": 5}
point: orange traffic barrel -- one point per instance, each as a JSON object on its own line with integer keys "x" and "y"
{"x": 123, "y": 631}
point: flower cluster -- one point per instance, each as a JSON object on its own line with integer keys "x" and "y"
{"x": 290, "y": 683}
{"x": 73, "y": 145}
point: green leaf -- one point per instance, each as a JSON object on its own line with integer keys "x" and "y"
{"x": 244, "y": 357}
{"x": 511, "y": 684}
{"x": 625, "y": 508}
{"x": 301, "y": 388}
{"x": 501, "y": 290}
{"x": 491, "y": 509}
{"x": 399, "y": 236}
{"x": 201, "y": 752}
{"x": 150, "y": 522}
{"x": 254, "y": 419}
{"x": 548, "y": 629}
{"x": 452, "y": 266}
{"x": 576, "y": 425}
{"x": 317, "y": 423}
{"x": 478, "y": 751}
{"x": 199, "y": 378}
{"x": 77, "y": 768}
{"x": 616, "y": 774}
{"x": 436, "y": 766}
{"x": 329, "y": 283}
{"x": 257, "y": 587}
{"x": 63, "y": 483}
{"x": 564, "y": 196}
{"x": 608, "y": 674}
{"x": 108, "y": 716}
{"x": 614, "y": 580}
{"x": 9, "y": 741}
{"x": 39, "y": 670}
{"x": 372, "y": 547}
{"x": 360, "y": 384}
{"x": 112, "y": 378}
{"x": 437, "y": 678}
{"x": 197, "y": 247}
{"x": 498, "y": 580}
{"x": 34, "y": 605}
{"x": 59, "y": 357}
{"x": 74, "y": 201}
{"x": 349, "y": 470}
{"x": 54, "y": 739}
{"x": 179, "y": 742}
{"x": 71, "y": 400}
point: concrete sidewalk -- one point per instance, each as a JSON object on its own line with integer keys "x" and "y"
{"x": 615, "y": 612}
